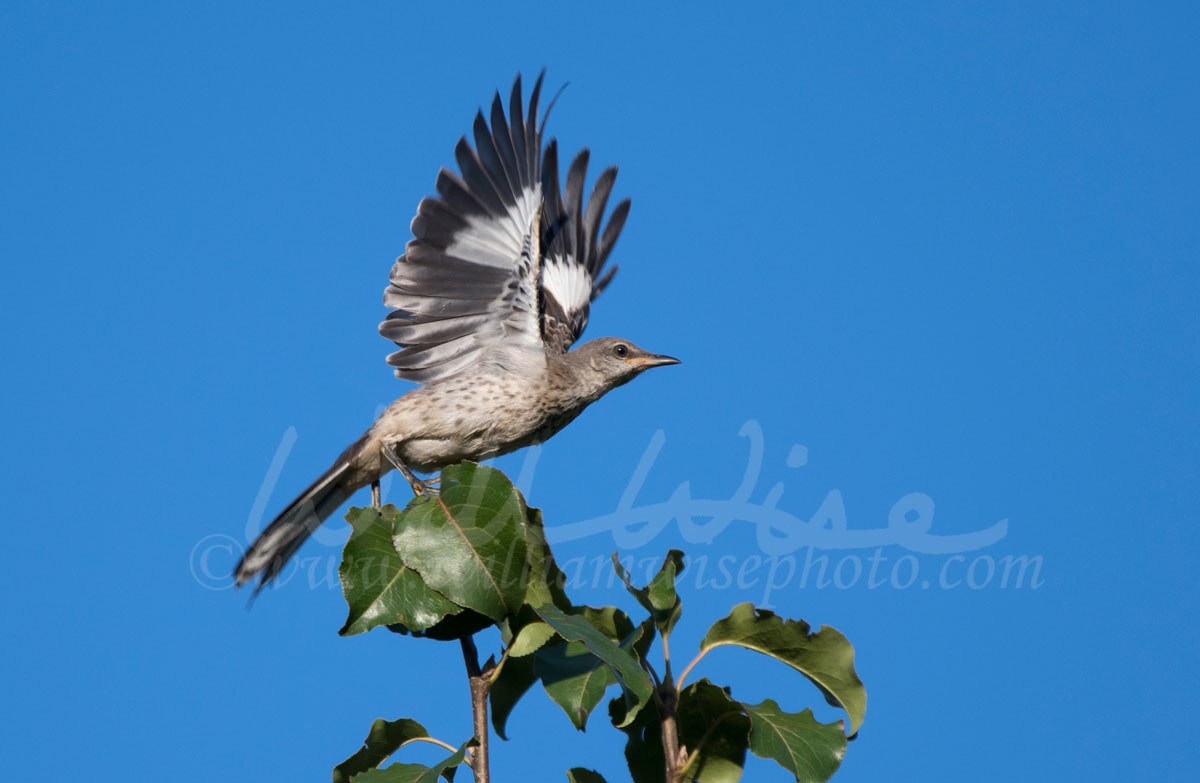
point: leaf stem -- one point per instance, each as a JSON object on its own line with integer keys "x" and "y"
{"x": 430, "y": 740}
{"x": 687, "y": 670}
{"x": 494, "y": 674}
{"x": 649, "y": 667}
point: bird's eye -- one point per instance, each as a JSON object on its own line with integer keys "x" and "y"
{"x": 621, "y": 350}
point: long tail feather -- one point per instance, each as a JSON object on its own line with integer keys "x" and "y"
{"x": 271, "y": 551}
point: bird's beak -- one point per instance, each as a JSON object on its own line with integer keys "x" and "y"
{"x": 651, "y": 360}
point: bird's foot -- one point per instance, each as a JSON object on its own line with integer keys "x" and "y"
{"x": 420, "y": 487}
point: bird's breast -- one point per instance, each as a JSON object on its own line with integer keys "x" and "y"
{"x": 478, "y": 415}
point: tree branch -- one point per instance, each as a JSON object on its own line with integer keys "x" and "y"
{"x": 480, "y": 682}
{"x": 668, "y": 709}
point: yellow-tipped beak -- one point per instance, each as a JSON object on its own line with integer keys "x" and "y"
{"x": 653, "y": 360}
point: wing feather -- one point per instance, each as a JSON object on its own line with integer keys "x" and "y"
{"x": 412, "y": 331}
{"x": 573, "y": 196}
{"x": 517, "y": 132}
{"x": 595, "y": 210}
{"x": 480, "y": 181}
{"x": 467, "y": 283}
{"x": 616, "y": 222}
{"x": 504, "y": 146}
{"x": 576, "y": 247}
{"x": 489, "y": 156}
{"x": 503, "y": 257}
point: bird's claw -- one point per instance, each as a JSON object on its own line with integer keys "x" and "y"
{"x": 420, "y": 487}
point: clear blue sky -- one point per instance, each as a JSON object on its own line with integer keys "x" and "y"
{"x": 948, "y": 249}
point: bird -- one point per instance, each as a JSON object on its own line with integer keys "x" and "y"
{"x": 487, "y": 300}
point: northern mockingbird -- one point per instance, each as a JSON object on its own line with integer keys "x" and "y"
{"x": 488, "y": 297}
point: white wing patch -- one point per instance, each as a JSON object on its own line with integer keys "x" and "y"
{"x": 569, "y": 282}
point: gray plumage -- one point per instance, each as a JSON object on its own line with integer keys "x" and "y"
{"x": 490, "y": 294}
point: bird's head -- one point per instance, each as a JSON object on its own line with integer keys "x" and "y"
{"x": 611, "y": 361}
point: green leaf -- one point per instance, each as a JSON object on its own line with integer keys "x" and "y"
{"x": 575, "y": 675}
{"x": 810, "y": 750}
{"x": 546, "y": 580}
{"x": 824, "y": 657}
{"x": 574, "y": 679}
{"x": 396, "y": 773}
{"x": 659, "y": 597}
{"x": 384, "y": 739}
{"x": 514, "y": 679}
{"x": 415, "y": 773}
{"x": 450, "y": 628}
{"x": 643, "y": 742}
{"x": 581, "y": 775}
{"x": 641, "y": 647}
{"x": 516, "y": 674}
{"x": 378, "y": 587}
{"x": 544, "y": 585}
{"x": 468, "y": 543}
{"x": 716, "y": 732}
{"x": 529, "y": 639}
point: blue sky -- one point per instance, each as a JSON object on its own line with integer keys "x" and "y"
{"x": 934, "y": 261}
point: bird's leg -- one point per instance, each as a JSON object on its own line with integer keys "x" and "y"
{"x": 375, "y": 494}
{"x": 418, "y": 487}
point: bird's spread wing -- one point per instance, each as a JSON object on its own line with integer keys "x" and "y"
{"x": 501, "y": 256}
{"x": 574, "y": 247}
{"x": 468, "y": 280}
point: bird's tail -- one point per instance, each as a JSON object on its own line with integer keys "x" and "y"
{"x": 274, "y": 546}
